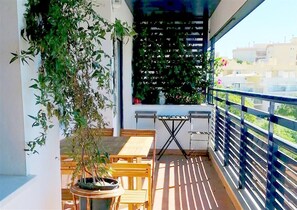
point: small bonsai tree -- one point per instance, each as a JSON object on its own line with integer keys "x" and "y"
{"x": 73, "y": 81}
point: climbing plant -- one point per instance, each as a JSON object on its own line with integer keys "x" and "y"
{"x": 169, "y": 56}
{"x": 74, "y": 74}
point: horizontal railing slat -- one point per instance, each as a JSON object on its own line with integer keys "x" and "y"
{"x": 259, "y": 189}
{"x": 277, "y": 187}
{"x": 257, "y": 139}
{"x": 286, "y": 144}
{"x": 256, "y": 129}
{"x": 276, "y": 99}
{"x": 256, "y": 195}
{"x": 265, "y": 163}
{"x": 285, "y": 158}
{"x": 261, "y": 161}
{"x": 258, "y": 174}
{"x": 287, "y": 189}
{"x": 288, "y": 123}
{"x": 235, "y": 147}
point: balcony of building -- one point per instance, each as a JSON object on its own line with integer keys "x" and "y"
{"x": 256, "y": 166}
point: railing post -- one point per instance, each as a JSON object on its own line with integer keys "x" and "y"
{"x": 216, "y": 140}
{"x": 211, "y": 75}
{"x": 209, "y": 96}
{"x": 242, "y": 149}
{"x": 271, "y": 159}
{"x": 226, "y": 136}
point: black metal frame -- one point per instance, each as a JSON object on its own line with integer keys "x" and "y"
{"x": 199, "y": 115}
{"x": 256, "y": 156}
{"x": 145, "y": 115}
{"x": 173, "y": 131}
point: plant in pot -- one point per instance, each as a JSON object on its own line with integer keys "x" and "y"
{"x": 73, "y": 81}
{"x": 138, "y": 98}
{"x": 140, "y": 93}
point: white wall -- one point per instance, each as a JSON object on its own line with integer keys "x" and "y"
{"x": 17, "y": 102}
{"x": 11, "y": 109}
{"x": 124, "y": 14}
{"x": 162, "y": 134}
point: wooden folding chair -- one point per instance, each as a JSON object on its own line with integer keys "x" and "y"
{"x": 67, "y": 167}
{"x": 143, "y": 132}
{"x": 135, "y": 196}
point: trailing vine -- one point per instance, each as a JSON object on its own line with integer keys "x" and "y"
{"x": 73, "y": 77}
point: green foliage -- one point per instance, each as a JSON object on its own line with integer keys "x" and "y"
{"x": 239, "y": 61}
{"x": 286, "y": 110}
{"x": 237, "y": 99}
{"x": 72, "y": 80}
{"x": 289, "y": 111}
{"x": 164, "y": 60}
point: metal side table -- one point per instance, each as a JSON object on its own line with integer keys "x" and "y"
{"x": 173, "y": 131}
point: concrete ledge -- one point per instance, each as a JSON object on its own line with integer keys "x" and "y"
{"x": 10, "y": 185}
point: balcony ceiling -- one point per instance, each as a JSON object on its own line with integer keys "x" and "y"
{"x": 195, "y": 7}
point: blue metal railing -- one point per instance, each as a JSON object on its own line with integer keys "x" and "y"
{"x": 263, "y": 162}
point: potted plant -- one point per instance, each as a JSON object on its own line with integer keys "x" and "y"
{"x": 73, "y": 81}
{"x": 140, "y": 93}
{"x": 138, "y": 98}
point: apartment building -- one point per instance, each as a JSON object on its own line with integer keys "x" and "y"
{"x": 263, "y": 68}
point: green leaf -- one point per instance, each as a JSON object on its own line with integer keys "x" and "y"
{"x": 34, "y": 118}
{"x": 34, "y": 86}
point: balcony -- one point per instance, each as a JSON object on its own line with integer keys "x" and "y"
{"x": 257, "y": 166}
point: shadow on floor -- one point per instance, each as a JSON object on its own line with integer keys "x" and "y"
{"x": 188, "y": 185}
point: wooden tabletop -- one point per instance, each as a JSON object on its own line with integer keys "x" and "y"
{"x": 118, "y": 147}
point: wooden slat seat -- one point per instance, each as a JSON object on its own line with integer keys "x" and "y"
{"x": 134, "y": 197}
{"x": 134, "y": 170}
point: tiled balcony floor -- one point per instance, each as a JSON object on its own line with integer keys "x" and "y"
{"x": 188, "y": 185}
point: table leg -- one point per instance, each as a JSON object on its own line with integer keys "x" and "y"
{"x": 180, "y": 125}
{"x": 168, "y": 142}
{"x": 173, "y": 131}
{"x": 165, "y": 145}
{"x": 130, "y": 179}
{"x": 180, "y": 148}
{"x": 165, "y": 149}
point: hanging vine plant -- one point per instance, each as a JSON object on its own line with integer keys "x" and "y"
{"x": 73, "y": 81}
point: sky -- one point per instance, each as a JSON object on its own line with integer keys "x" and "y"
{"x": 274, "y": 21}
